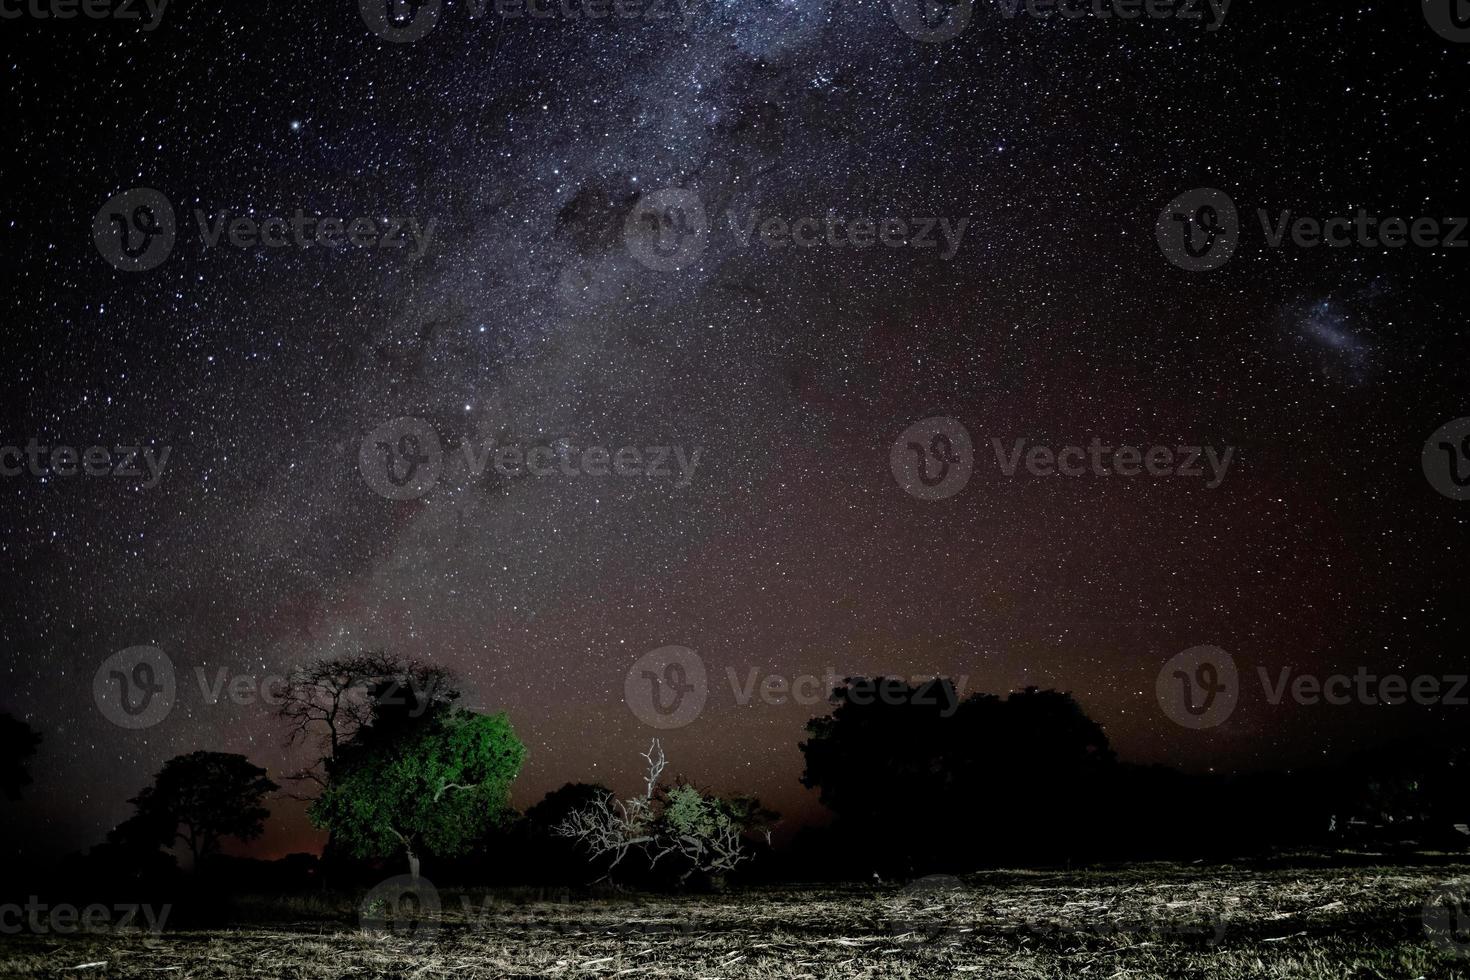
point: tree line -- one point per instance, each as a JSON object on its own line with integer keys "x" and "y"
{"x": 918, "y": 783}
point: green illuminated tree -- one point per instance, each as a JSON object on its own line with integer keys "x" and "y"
{"x": 435, "y": 784}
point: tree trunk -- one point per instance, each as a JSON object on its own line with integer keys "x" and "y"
{"x": 413, "y": 863}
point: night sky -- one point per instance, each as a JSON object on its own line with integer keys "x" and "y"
{"x": 792, "y": 548}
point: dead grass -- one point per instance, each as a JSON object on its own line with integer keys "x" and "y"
{"x": 1148, "y": 922}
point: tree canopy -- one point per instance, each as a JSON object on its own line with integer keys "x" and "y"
{"x": 18, "y": 742}
{"x": 199, "y": 799}
{"x": 436, "y": 784}
{"x": 329, "y": 701}
{"x": 927, "y": 779}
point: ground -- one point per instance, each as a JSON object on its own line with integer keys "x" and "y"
{"x": 1145, "y": 922}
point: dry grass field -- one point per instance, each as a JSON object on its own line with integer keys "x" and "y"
{"x": 1147, "y": 922}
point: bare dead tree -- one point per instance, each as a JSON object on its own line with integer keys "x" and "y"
{"x": 709, "y": 839}
{"x": 706, "y": 833}
{"x": 329, "y": 700}
{"x": 614, "y": 827}
{"x": 657, "y": 762}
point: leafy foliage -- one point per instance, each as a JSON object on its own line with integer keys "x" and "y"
{"x": 438, "y": 783}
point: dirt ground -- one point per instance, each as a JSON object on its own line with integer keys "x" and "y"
{"x": 1146, "y": 922}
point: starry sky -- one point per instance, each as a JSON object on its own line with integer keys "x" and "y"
{"x": 792, "y": 550}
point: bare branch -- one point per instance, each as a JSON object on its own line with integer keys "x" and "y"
{"x": 328, "y": 701}
{"x": 656, "y": 764}
{"x": 705, "y": 833}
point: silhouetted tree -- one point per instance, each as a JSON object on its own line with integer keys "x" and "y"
{"x": 18, "y": 743}
{"x": 562, "y": 802}
{"x": 530, "y": 851}
{"x": 926, "y": 780}
{"x": 330, "y": 700}
{"x": 198, "y": 799}
{"x": 1406, "y": 791}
